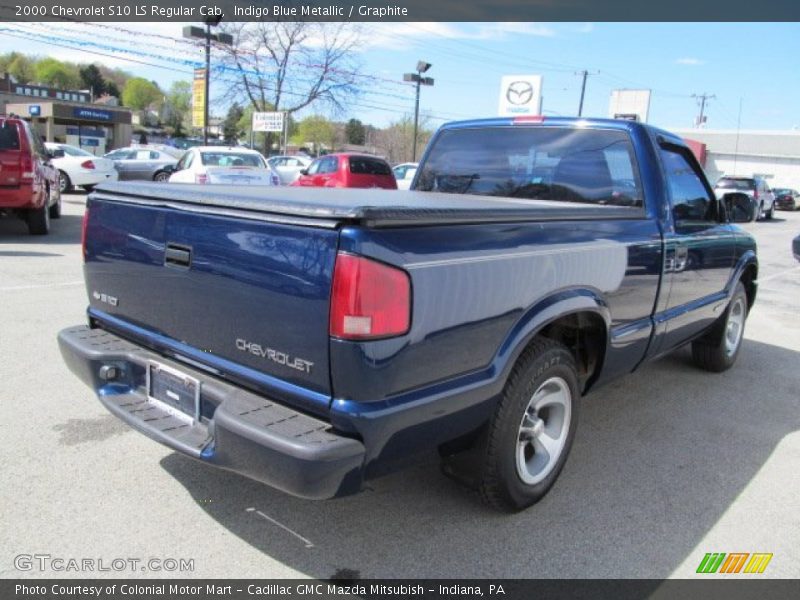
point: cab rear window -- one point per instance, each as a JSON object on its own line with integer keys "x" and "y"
{"x": 564, "y": 164}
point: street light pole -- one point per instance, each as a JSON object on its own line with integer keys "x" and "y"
{"x": 221, "y": 38}
{"x": 208, "y": 79}
{"x": 417, "y": 77}
{"x": 416, "y": 124}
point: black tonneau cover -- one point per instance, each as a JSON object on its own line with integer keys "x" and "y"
{"x": 369, "y": 207}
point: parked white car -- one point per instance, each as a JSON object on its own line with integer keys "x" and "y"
{"x": 404, "y": 174}
{"x": 221, "y": 165}
{"x": 80, "y": 168}
{"x": 288, "y": 167}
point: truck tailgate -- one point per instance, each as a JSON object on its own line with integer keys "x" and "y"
{"x": 248, "y": 295}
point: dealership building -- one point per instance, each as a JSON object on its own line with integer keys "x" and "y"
{"x": 67, "y": 116}
{"x": 774, "y": 155}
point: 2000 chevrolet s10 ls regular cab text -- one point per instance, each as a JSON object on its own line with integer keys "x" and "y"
{"x": 314, "y": 338}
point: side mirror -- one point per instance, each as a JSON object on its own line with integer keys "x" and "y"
{"x": 739, "y": 207}
{"x": 303, "y": 171}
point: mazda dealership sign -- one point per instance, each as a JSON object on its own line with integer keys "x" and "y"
{"x": 520, "y": 95}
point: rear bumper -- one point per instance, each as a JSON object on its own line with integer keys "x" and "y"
{"x": 239, "y": 430}
{"x": 93, "y": 177}
{"x": 21, "y": 196}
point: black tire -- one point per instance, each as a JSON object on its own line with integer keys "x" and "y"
{"x": 771, "y": 212}
{"x": 55, "y": 208}
{"x": 39, "y": 220}
{"x": 64, "y": 183}
{"x": 758, "y": 211}
{"x": 508, "y": 454}
{"x": 161, "y": 177}
{"x": 88, "y": 188}
{"x": 714, "y": 351}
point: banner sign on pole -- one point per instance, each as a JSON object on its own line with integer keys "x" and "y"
{"x": 199, "y": 98}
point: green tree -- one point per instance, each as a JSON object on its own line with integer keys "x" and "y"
{"x": 112, "y": 89}
{"x": 177, "y": 106}
{"x": 92, "y": 79}
{"x": 22, "y": 68}
{"x": 230, "y": 127}
{"x": 57, "y": 74}
{"x": 355, "y": 133}
{"x": 315, "y": 130}
{"x": 140, "y": 94}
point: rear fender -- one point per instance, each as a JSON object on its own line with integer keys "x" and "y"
{"x": 548, "y": 310}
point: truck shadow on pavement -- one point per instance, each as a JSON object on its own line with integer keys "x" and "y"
{"x": 65, "y": 230}
{"x": 659, "y": 457}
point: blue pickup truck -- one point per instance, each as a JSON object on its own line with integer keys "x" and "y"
{"x": 312, "y": 339}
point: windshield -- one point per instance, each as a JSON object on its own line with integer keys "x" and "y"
{"x": 231, "y": 159}
{"x": 736, "y": 184}
{"x": 593, "y": 166}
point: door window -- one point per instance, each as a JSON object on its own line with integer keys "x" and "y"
{"x": 691, "y": 204}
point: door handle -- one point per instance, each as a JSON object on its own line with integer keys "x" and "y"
{"x": 178, "y": 256}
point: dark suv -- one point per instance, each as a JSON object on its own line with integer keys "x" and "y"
{"x": 761, "y": 197}
{"x": 28, "y": 182}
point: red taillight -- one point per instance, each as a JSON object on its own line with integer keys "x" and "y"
{"x": 84, "y": 225}
{"x": 26, "y": 168}
{"x": 528, "y": 119}
{"x": 200, "y": 178}
{"x": 369, "y": 300}
{"x": 87, "y": 164}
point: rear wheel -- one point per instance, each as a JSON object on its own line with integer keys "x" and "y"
{"x": 161, "y": 177}
{"x": 531, "y": 433}
{"x": 39, "y": 220}
{"x": 64, "y": 183}
{"x": 717, "y": 350}
{"x": 771, "y": 212}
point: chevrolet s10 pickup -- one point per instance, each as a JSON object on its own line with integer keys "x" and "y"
{"x": 312, "y": 339}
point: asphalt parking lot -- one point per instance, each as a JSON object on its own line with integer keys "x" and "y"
{"x": 669, "y": 463}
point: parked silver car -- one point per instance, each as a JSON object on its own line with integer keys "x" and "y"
{"x": 756, "y": 188}
{"x": 150, "y": 163}
{"x": 288, "y": 167}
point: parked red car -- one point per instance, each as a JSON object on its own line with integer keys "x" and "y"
{"x": 28, "y": 182}
{"x": 348, "y": 170}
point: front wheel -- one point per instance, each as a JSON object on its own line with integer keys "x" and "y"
{"x": 771, "y": 212}
{"x": 533, "y": 427}
{"x": 717, "y": 350}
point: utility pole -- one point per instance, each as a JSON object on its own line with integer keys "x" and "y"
{"x": 702, "y": 99}
{"x": 585, "y": 74}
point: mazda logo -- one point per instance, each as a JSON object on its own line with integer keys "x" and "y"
{"x": 519, "y": 92}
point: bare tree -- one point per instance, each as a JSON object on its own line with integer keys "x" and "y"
{"x": 290, "y": 65}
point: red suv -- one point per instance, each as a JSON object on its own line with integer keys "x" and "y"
{"x": 28, "y": 182}
{"x": 348, "y": 170}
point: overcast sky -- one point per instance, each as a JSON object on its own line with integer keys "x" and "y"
{"x": 752, "y": 62}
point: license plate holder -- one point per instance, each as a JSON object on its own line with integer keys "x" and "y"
{"x": 174, "y": 392}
